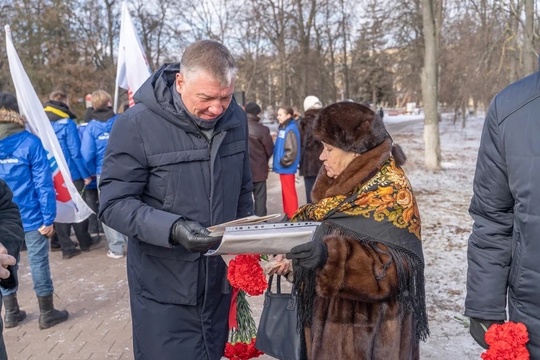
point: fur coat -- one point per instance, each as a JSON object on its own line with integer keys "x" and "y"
{"x": 363, "y": 298}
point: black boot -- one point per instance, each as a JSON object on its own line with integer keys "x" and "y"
{"x": 49, "y": 316}
{"x": 13, "y": 315}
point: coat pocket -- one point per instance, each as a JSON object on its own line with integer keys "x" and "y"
{"x": 169, "y": 275}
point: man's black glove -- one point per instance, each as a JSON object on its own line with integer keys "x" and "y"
{"x": 478, "y": 332}
{"x": 192, "y": 235}
{"x": 310, "y": 255}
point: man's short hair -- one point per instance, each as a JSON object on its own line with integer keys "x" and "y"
{"x": 252, "y": 108}
{"x": 59, "y": 95}
{"x": 101, "y": 100}
{"x": 209, "y": 56}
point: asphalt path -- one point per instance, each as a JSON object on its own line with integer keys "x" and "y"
{"x": 396, "y": 127}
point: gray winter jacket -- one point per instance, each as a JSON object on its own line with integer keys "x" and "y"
{"x": 504, "y": 247}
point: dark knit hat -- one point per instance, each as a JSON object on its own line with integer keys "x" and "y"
{"x": 252, "y": 108}
{"x": 350, "y": 126}
{"x": 8, "y": 102}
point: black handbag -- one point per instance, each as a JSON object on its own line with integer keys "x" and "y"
{"x": 278, "y": 335}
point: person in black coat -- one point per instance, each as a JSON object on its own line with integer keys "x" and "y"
{"x": 176, "y": 163}
{"x": 261, "y": 148}
{"x": 311, "y": 148}
{"x": 11, "y": 240}
{"x": 503, "y": 274}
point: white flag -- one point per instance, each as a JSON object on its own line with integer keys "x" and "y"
{"x": 132, "y": 70}
{"x": 70, "y": 207}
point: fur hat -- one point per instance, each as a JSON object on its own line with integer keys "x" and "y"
{"x": 252, "y": 108}
{"x": 350, "y": 126}
{"x": 8, "y": 102}
{"x": 312, "y": 102}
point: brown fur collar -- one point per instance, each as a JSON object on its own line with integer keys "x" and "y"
{"x": 361, "y": 169}
{"x": 9, "y": 116}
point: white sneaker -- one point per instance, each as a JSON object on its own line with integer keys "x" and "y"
{"x": 114, "y": 256}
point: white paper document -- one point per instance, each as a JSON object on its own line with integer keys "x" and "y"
{"x": 276, "y": 238}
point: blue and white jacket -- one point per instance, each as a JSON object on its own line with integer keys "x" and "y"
{"x": 25, "y": 168}
{"x": 94, "y": 143}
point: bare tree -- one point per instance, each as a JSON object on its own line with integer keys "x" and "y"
{"x": 529, "y": 55}
{"x": 429, "y": 77}
{"x": 156, "y": 31}
{"x": 273, "y": 16}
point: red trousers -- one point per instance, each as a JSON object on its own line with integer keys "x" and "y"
{"x": 288, "y": 194}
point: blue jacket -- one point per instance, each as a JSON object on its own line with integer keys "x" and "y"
{"x": 81, "y": 128}
{"x": 94, "y": 142}
{"x": 68, "y": 137}
{"x": 287, "y": 148}
{"x": 25, "y": 168}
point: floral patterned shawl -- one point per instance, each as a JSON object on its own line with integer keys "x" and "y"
{"x": 379, "y": 208}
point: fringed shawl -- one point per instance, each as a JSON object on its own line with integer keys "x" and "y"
{"x": 379, "y": 208}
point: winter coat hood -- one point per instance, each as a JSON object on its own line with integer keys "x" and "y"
{"x": 102, "y": 115}
{"x": 10, "y": 123}
{"x": 57, "y": 110}
{"x": 11, "y": 117}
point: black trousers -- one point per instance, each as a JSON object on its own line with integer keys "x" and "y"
{"x": 259, "y": 196}
{"x": 309, "y": 181}
{"x": 91, "y": 198}
{"x": 63, "y": 231}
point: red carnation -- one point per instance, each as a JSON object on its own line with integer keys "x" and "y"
{"x": 246, "y": 273}
{"x": 506, "y": 341}
{"x": 242, "y": 350}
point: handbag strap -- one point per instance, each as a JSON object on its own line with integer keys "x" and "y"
{"x": 278, "y": 284}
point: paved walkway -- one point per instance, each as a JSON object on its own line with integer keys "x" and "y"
{"x": 93, "y": 288}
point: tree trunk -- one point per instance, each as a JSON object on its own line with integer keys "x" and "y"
{"x": 529, "y": 58}
{"x": 430, "y": 88}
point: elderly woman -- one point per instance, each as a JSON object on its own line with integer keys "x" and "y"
{"x": 360, "y": 282}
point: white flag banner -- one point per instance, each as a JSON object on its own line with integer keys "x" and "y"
{"x": 70, "y": 207}
{"x": 132, "y": 70}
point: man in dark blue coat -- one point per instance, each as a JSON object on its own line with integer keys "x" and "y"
{"x": 176, "y": 163}
{"x": 504, "y": 271}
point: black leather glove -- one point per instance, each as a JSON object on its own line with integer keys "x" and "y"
{"x": 192, "y": 235}
{"x": 478, "y": 332}
{"x": 310, "y": 255}
{"x": 11, "y": 281}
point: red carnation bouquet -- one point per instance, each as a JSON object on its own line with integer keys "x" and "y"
{"x": 246, "y": 277}
{"x": 506, "y": 342}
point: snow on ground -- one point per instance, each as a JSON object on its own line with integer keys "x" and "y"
{"x": 443, "y": 199}
{"x": 389, "y": 119}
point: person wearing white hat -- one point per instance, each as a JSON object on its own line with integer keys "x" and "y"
{"x": 311, "y": 148}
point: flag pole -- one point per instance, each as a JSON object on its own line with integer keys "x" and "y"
{"x": 115, "y": 106}
{"x": 122, "y": 25}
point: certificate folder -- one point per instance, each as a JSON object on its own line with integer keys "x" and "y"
{"x": 276, "y": 238}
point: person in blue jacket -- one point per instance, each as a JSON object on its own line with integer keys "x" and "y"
{"x": 94, "y": 142}
{"x": 287, "y": 158}
{"x": 65, "y": 129}
{"x": 24, "y": 166}
{"x": 90, "y": 196}
{"x": 178, "y": 162}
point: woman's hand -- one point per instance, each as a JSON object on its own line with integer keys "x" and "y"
{"x": 278, "y": 265}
